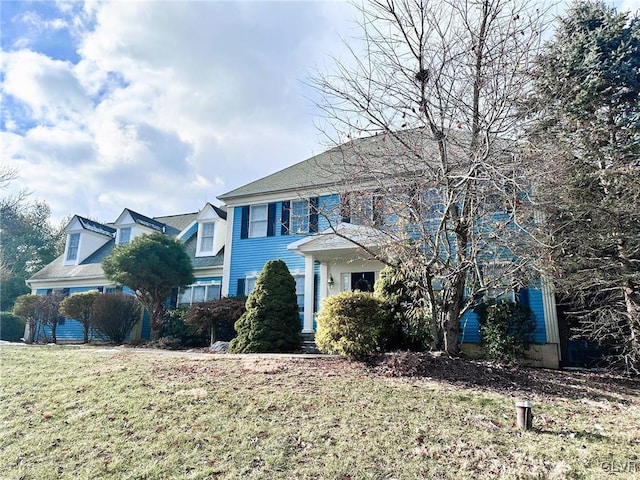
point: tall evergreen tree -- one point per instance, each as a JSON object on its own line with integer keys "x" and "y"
{"x": 271, "y": 322}
{"x": 588, "y": 104}
{"x": 28, "y": 242}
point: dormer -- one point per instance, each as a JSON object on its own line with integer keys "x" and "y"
{"x": 210, "y": 228}
{"x": 130, "y": 225}
{"x": 84, "y": 237}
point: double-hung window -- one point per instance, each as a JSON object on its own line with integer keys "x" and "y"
{"x": 300, "y": 216}
{"x": 72, "y": 248}
{"x": 258, "y": 220}
{"x": 206, "y": 237}
{"x": 499, "y": 280}
{"x": 199, "y": 293}
{"x": 124, "y": 236}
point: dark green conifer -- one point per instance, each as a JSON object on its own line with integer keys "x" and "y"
{"x": 271, "y": 322}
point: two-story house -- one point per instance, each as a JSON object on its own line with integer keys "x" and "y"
{"x": 305, "y": 215}
{"x": 323, "y": 223}
{"x": 79, "y": 268}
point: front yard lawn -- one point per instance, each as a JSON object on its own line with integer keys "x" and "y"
{"x": 86, "y": 412}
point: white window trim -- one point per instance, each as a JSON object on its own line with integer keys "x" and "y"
{"x": 249, "y": 276}
{"x": 508, "y": 294}
{"x": 206, "y": 285}
{"x": 299, "y": 274}
{"x": 199, "y": 238}
{"x": 251, "y": 232}
{"x": 72, "y": 261}
{"x": 119, "y": 239}
{"x": 303, "y": 219}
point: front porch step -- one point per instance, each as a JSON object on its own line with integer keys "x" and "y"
{"x": 309, "y": 347}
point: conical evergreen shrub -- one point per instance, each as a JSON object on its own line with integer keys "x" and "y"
{"x": 271, "y": 322}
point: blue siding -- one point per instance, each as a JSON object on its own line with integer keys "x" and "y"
{"x": 71, "y": 329}
{"x": 191, "y": 232}
{"x": 469, "y": 328}
{"x": 248, "y": 255}
{"x": 535, "y": 303}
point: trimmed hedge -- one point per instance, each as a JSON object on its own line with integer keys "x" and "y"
{"x": 11, "y": 327}
{"x": 352, "y": 324}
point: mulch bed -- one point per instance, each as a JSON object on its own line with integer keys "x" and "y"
{"x": 508, "y": 378}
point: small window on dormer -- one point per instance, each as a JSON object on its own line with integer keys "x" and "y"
{"x": 125, "y": 236}
{"x": 206, "y": 237}
{"x": 72, "y": 248}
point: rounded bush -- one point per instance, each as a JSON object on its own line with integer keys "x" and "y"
{"x": 11, "y": 327}
{"x": 115, "y": 315}
{"x": 352, "y": 324}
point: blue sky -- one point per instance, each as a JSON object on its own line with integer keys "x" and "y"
{"x": 160, "y": 106}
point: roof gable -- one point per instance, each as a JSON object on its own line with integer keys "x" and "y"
{"x": 80, "y": 223}
{"x": 128, "y": 217}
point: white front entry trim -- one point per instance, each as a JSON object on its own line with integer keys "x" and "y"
{"x": 307, "y": 326}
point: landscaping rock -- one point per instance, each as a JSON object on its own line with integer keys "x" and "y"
{"x": 219, "y": 347}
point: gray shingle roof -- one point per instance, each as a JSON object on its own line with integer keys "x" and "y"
{"x": 361, "y": 160}
{"x": 329, "y": 169}
{"x": 92, "y": 265}
{"x": 96, "y": 227}
{"x": 146, "y": 221}
{"x": 177, "y": 223}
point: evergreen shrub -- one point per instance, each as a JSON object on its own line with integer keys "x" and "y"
{"x": 175, "y": 326}
{"x": 11, "y": 327}
{"x": 506, "y": 329}
{"x": 409, "y": 323}
{"x": 352, "y": 324}
{"x": 271, "y": 322}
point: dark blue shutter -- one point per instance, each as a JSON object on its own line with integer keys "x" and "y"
{"x": 377, "y": 210}
{"x": 313, "y": 215}
{"x": 316, "y": 285}
{"x": 345, "y": 210}
{"x": 523, "y": 296}
{"x": 271, "y": 220}
{"x": 286, "y": 213}
{"x": 240, "y": 291}
{"x": 244, "y": 227}
{"x": 173, "y": 301}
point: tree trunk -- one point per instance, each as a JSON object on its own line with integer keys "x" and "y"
{"x": 632, "y": 303}
{"x": 85, "y": 331}
{"x": 157, "y": 319}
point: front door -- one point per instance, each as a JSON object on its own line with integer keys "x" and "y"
{"x": 363, "y": 281}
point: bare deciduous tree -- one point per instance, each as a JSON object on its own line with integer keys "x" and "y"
{"x": 436, "y": 88}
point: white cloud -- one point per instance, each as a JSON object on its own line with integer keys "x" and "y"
{"x": 169, "y": 104}
{"x": 48, "y": 87}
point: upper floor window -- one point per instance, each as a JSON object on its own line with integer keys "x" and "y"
{"x": 499, "y": 280}
{"x": 206, "y": 236}
{"x": 362, "y": 209}
{"x": 72, "y": 248}
{"x": 300, "y": 216}
{"x": 124, "y": 236}
{"x": 258, "y": 221}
